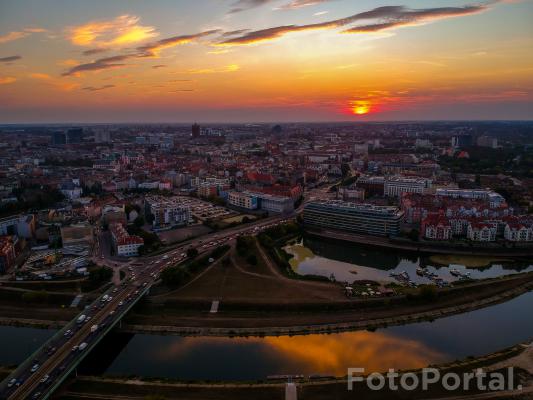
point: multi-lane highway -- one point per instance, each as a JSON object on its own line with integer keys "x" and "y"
{"x": 43, "y": 372}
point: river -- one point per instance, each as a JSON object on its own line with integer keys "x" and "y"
{"x": 211, "y": 358}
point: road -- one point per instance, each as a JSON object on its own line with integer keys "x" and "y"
{"x": 58, "y": 357}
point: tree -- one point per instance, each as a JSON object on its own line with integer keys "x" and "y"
{"x": 139, "y": 221}
{"x": 414, "y": 235}
{"x": 192, "y": 252}
{"x": 99, "y": 275}
{"x": 427, "y": 292}
{"x": 150, "y": 218}
{"x": 35, "y": 297}
{"x": 173, "y": 276}
{"x": 251, "y": 259}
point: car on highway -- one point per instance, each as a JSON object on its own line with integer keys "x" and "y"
{"x": 34, "y": 368}
{"x": 37, "y": 395}
{"x": 67, "y": 333}
{"x": 82, "y": 346}
{"x": 74, "y": 348}
{"x": 11, "y": 382}
{"x": 45, "y": 378}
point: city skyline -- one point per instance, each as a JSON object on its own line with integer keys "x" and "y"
{"x": 265, "y": 61}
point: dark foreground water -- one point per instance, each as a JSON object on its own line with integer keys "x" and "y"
{"x": 210, "y": 358}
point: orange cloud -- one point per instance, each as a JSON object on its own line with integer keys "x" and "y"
{"x": 14, "y": 35}
{"x": 122, "y": 30}
{"x": 41, "y": 76}
{"x": 53, "y": 82}
{"x": 5, "y": 80}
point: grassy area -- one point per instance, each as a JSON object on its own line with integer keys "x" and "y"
{"x": 299, "y": 254}
{"x": 239, "y": 219}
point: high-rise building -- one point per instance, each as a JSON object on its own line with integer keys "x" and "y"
{"x": 74, "y": 135}
{"x": 487, "y": 141}
{"x": 196, "y": 130}
{"x": 59, "y": 138}
{"x": 102, "y": 136}
{"x": 461, "y": 141}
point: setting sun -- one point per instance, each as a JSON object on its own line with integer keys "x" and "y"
{"x": 360, "y": 107}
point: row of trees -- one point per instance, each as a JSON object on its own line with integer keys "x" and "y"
{"x": 178, "y": 274}
{"x": 30, "y": 197}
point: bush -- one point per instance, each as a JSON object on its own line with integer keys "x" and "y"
{"x": 427, "y": 292}
{"x": 192, "y": 252}
{"x": 219, "y": 251}
{"x": 99, "y": 275}
{"x": 244, "y": 244}
{"x": 251, "y": 259}
{"x": 35, "y": 297}
{"x": 173, "y": 276}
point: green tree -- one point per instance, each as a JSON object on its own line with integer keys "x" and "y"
{"x": 251, "y": 259}
{"x": 173, "y": 276}
{"x": 192, "y": 252}
{"x": 139, "y": 221}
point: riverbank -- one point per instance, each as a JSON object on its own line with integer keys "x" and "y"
{"x": 178, "y": 320}
{"x": 422, "y": 247}
{"x": 276, "y": 324}
{"x": 308, "y": 388}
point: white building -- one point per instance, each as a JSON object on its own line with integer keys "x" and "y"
{"x": 126, "y": 245}
{"x": 482, "y": 232}
{"x": 395, "y": 186}
{"x": 518, "y": 232}
{"x": 167, "y": 212}
{"x": 274, "y": 204}
{"x": 494, "y": 199}
{"x": 242, "y": 200}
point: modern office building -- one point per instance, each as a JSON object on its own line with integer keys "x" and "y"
{"x": 373, "y": 185}
{"x": 59, "y": 138}
{"x": 396, "y": 185}
{"x": 461, "y": 141}
{"x": 494, "y": 199}
{"x": 21, "y": 225}
{"x": 358, "y": 218}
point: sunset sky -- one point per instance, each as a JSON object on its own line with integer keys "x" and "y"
{"x": 265, "y": 60}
